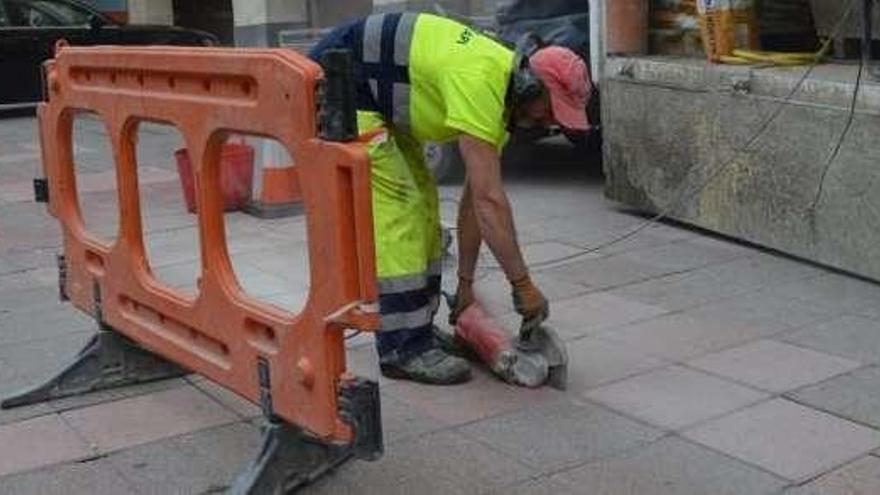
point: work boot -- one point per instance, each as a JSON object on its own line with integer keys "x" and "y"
{"x": 433, "y": 367}
{"x": 449, "y": 343}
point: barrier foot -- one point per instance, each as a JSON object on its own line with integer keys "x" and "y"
{"x": 267, "y": 211}
{"x": 290, "y": 458}
{"x": 109, "y": 360}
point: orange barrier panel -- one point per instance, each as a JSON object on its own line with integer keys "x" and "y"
{"x": 209, "y": 93}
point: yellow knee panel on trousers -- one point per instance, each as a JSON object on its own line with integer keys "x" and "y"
{"x": 406, "y": 215}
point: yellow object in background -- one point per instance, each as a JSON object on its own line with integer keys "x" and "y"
{"x": 774, "y": 58}
{"x": 727, "y": 25}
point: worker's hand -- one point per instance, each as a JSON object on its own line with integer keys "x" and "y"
{"x": 464, "y": 297}
{"x": 529, "y": 301}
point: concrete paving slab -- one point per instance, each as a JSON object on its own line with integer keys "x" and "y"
{"x": 16, "y": 191}
{"x": 226, "y": 449}
{"x": 11, "y": 383}
{"x": 97, "y": 477}
{"x": 609, "y": 272}
{"x": 556, "y": 215}
{"x": 538, "y": 486}
{"x": 594, "y": 362}
{"x": 117, "y": 425}
{"x": 7, "y": 374}
{"x": 790, "y": 440}
{"x": 562, "y": 434}
{"x": 774, "y": 366}
{"x": 848, "y": 336}
{"x": 854, "y": 396}
{"x": 204, "y": 462}
{"x": 289, "y": 261}
{"x": 674, "y": 397}
{"x": 32, "y": 259}
{"x": 494, "y": 290}
{"x": 45, "y": 277}
{"x": 595, "y": 236}
{"x": 247, "y": 239}
{"x": 292, "y": 301}
{"x": 672, "y": 466}
{"x": 364, "y": 361}
{"x": 547, "y": 251}
{"x": 258, "y": 283}
{"x": 183, "y": 276}
{"x": 680, "y": 291}
{"x": 592, "y": 313}
{"x": 681, "y": 336}
{"x": 401, "y": 421}
{"x": 443, "y": 462}
{"x": 114, "y": 394}
{"x": 234, "y": 402}
{"x": 18, "y": 414}
{"x": 690, "y": 254}
{"x": 861, "y": 477}
{"x": 48, "y": 440}
{"x": 15, "y": 284}
{"x": 8, "y": 266}
{"x": 723, "y": 244}
{"x": 171, "y": 246}
{"x": 762, "y": 308}
{"x": 837, "y": 292}
{"x": 482, "y": 397}
{"x": 22, "y": 294}
{"x": 28, "y": 225}
{"x": 37, "y": 360}
{"x": 758, "y": 270}
{"x": 53, "y": 321}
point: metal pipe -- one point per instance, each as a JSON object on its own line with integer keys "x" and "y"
{"x": 598, "y": 37}
{"x": 867, "y": 31}
{"x": 871, "y": 65}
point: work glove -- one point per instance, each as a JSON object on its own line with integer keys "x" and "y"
{"x": 464, "y": 297}
{"x": 530, "y": 303}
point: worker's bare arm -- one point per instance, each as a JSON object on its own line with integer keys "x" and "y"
{"x": 490, "y": 210}
{"x": 469, "y": 237}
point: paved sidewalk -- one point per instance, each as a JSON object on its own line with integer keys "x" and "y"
{"x": 698, "y": 365}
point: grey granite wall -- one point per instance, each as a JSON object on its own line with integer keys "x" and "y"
{"x": 670, "y": 124}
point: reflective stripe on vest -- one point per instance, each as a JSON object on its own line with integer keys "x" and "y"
{"x": 404, "y": 283}
{"x": 407, "y": 321}
{"x": 386, "y": 49}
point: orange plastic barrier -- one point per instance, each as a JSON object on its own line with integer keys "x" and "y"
{"x": 209, "y": 93}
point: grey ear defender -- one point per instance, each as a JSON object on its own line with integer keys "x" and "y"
{"x": 525, "y": 85}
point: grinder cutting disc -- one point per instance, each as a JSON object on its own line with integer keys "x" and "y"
{"x": 543, "y": 341}
{"x": 537, "y": 358}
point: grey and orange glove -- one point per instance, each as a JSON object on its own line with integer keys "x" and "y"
{"x": 464, "y": 297}
{"x": 530, "y": 303}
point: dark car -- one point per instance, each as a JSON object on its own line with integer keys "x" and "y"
{"x": 557, "y": 22}
{"x": 29, "y": 30}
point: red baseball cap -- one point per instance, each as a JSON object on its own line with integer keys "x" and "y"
{"x": 567, "y": 79}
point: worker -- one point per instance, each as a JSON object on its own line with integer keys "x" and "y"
{"x": 425, "y": 78}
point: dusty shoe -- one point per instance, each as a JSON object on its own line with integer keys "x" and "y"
{"x": 449, "y": 343}
{"x": 433, "y": 367}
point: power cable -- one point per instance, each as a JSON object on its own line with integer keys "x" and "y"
{"x": 863, "y": 61}
{"x": 762, "y": 128}
{"x": 840, "y": 140}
